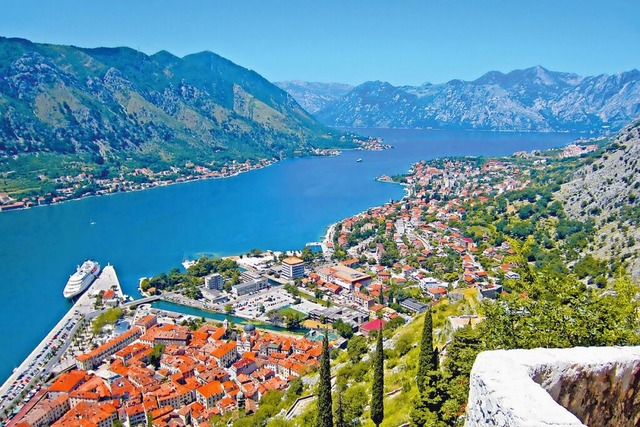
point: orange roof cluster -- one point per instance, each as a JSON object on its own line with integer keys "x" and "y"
{"x": 185, "y": 371}
{"x": 213, "y": 388}
{"x": 109, "y": 344}
{"x": 68, "y": 381}
{"x": 224, "y": 349}
{"x": 87, "y": 415}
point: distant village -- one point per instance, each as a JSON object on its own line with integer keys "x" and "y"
{"x": 374, "y": 270}
{"x": 86, "y": 184}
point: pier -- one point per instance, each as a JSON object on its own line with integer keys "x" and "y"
{"x": 40, "y": 363}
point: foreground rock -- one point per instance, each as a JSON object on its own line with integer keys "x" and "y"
{"x": 579, "y": 386}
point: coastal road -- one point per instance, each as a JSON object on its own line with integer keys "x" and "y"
{"x": 46, "y": 354}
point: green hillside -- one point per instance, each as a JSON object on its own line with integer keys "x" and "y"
{"x": 66, "y": 110}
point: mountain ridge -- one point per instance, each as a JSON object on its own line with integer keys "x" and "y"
{"x": 119, "y": 102}
{"x": 314, "y": 96}
{"x": 532, "y": 99}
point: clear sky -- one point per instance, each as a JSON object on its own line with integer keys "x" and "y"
{"x": 351, "y": 41}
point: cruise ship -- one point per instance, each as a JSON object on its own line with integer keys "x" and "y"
{"x": 81, "y": 279}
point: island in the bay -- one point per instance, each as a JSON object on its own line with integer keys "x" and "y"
{"x": 480, "y": 254}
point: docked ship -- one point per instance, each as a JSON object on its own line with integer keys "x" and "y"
{"x": 81, "y": 279}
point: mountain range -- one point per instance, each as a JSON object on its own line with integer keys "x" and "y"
{"x": 533, "y": 99}
{"x": 115, "y": 105}
{"x": 314, "y": 96}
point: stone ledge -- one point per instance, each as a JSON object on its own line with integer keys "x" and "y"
{"x": 530, "y": 387}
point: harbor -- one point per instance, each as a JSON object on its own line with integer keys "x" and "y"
{"x": 22, "y": 384}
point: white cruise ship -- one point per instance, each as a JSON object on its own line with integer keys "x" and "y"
{"x": 81, "y": 279}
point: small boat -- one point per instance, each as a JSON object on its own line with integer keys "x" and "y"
{"x": 359, "y": 160}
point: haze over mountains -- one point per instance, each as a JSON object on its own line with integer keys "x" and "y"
{"x": 534, "y": 99}
{"x": 118, "y": 102}
{"x": 314, "y": 96}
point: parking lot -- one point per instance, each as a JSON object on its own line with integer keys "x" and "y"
{"x": 256, "y": 305}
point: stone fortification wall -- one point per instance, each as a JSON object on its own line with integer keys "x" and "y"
{"x": 580, "y": 386}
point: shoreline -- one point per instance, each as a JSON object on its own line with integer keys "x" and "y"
{"x": 47, "y": 353}
{"x": 325, "y": 152}
{"x": 586, "y": 132}
{"x": 134, "y": 190}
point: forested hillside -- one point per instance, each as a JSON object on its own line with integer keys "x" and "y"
{"x": 66, "y": 110}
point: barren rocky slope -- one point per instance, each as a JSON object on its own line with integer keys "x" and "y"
{"x": 534, "y": 99}
{"x": 608, "y": 191}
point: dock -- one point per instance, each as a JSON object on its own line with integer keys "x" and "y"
{"x": 40, "y": 363}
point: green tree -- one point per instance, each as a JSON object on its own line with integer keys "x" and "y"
{"x": 428, "y": 359}
{"x": 307, "y": 255}
{"x": 377, "y": 387}
{"x": 403, "y": 343}
{"x": 295, "y": 388}
{"x": 344, "y": 329}
{"x": 340, "y": 420}
{"x": 156, "y": 355}
{"x": 428, "y": 404}
{"x": 325, "y": 414}
{"x": 556, "y": 310}
{"x": 356, "y": 348}
{"x": 292, "y": 320}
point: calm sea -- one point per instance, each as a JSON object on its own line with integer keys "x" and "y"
{"x": 144, "y": 233}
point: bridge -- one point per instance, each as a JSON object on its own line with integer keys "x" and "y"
{"x": 147, "y": 299}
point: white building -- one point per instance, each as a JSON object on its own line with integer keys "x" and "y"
{"x": 214, "y": 281}
{"x": 292, "y": 268}
{"x": 245, "y": 288}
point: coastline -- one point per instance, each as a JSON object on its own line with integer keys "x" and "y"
{"x": 327, "y": 238}
{"x": 45, "y": 357}
{"x": 326, "y": 230}
{"x": 133, "y": 190}
{"x": 370, "y": 144}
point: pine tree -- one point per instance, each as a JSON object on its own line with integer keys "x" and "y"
{"x": 325, "y": 414}
{"x": 377, "y": 392}
{"x": 428, "y": 360}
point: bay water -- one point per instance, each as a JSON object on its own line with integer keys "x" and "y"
{"x": 143, "y": 233}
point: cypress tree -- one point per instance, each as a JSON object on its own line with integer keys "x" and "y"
{"x": 428, "y": 360}
{"x": 426, "y": 408}
{"x": 325, "y": 414}
{"x": 340, "y": 422}
{"x": 377, "y": 392}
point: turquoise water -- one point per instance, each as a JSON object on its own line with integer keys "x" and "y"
{"x": 143, "y": 233}
{"x": 169, "y": 306}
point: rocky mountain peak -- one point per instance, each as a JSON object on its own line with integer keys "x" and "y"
{"x": 532, "y": 99}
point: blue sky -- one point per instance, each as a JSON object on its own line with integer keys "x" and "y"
{"x": 402, "y": 42}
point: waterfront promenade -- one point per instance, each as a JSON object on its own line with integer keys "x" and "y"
{"x": 40, "y": 363}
